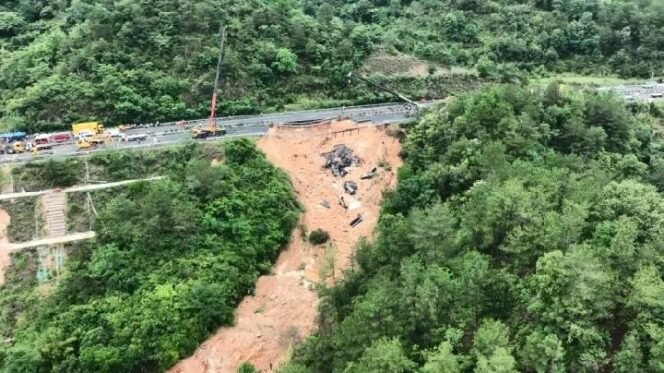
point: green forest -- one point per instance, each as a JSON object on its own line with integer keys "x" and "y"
{"x": 122, "y": 61}
{"x": 171, "y": 261}
{"x": 525, "y": 235}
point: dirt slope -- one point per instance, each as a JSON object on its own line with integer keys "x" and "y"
{"x": 283, "y": 309}
{"x": 5, "y": 259}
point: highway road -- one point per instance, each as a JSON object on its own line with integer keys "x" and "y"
{"x": 255, "y": 125}
{"x": 650, "y": 91}
{"x": 250, "y": 125}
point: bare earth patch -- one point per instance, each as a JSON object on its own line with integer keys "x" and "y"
{"x": 283, "y": 309}
{"x": 5, "y": 259}
{"x": 390, "y": 64}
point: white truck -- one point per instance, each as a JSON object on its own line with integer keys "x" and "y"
{"x": 139, "y": 137}
{"x": 114, "y": 132}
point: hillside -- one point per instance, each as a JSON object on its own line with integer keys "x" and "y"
{"x": 525, "y": 232}
{"x": 147, "y": 60}
{"x": 525, "y": 235}
{"x": 170, "y": 262}
{"x": 282, "y": 309}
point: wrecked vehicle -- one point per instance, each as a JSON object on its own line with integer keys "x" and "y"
{"x": 339, "y": 159}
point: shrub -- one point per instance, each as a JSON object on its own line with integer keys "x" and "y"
{"x": 303, "y": 231}
{"x": 247, "y": 367}
{"x": 318, "y": 237}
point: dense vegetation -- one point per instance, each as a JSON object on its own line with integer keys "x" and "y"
{"x": 145, "y": 60}
{"x": 525, "y": 235}
{"x": 102, "y": 166}
{"x": 171, "y": 261}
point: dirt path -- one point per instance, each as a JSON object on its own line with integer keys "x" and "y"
{"x": 5, "y": 259}
{"x": 283, "y": 309}
{"x": 77, "y": 188}
{"x": 80, "y": 236}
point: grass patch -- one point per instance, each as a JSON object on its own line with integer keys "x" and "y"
{"x": 394, "y": 63}
{"x": 313, "y": 102}
{"x": 573, "y": 79}
{"x": 327, "y": 267}
{"x": 78, "y": 215}
{"x": 384, "y": 164}
{"x": 22, "y": 212}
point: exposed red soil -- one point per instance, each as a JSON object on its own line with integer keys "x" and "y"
{"x": 5, "y": 259}
{"x": 283, "y": 309}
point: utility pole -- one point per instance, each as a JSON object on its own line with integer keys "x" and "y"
{"x": 213, "y": 106}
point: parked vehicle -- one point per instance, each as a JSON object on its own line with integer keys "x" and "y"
{"x": 94, "y": 128}
{"x": 60, "y": 137}
{"x": 82, "y": 144}
{"x": 12, "y": 136}
{"x": 42, "y": 139}
{"x": 138, "y": 137}
{"x": 113, "y": 132}
{"x": 41, "y": 147}
{"x": 91, "y": 142}
{"x": 82, "y": 135}
{"x": 13, "y": 148}
{"x": 211, "y": 130}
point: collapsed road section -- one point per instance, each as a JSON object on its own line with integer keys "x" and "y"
{"x": 282, "y": 310}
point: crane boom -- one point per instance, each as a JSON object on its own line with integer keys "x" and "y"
{"x": 213, "y": 106}
{"x": 211, "y": 129}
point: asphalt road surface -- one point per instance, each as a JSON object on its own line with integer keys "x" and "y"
{"x": 254, "y": 125}
{"x": 641, "y": 92}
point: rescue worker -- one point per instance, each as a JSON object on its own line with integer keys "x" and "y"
{"x": 342, "y": 202}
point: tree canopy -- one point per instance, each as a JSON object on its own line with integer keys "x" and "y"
{"x": 171, "y": 261}
{"x": 124, "y": 61}
{"x": 524, "y": 235}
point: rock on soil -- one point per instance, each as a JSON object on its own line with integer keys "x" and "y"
{"x": 283, "y": 309}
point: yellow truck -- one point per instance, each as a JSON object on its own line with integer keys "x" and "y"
{"x": 91, "y": 142}
{"x": 93, "y": 128}
{"x": 13, "y": 148}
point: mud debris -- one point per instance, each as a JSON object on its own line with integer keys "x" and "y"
{"x": 370, "y": 174}
{"x": 287, "y": 295}
{"x": 355, "y": 222}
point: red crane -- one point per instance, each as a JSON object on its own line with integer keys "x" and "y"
{"x": 212, "y": 129}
